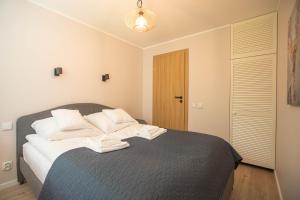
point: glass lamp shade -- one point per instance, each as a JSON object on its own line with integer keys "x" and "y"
{"x": 141, "y": 20}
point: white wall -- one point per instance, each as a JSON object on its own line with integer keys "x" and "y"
{"x": 288, "y": 117}
{"x": 33, "y": 41}
{"x": 209, "y": 80}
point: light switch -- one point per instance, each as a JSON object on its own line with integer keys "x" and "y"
{"x": 200, "y": 105}
{"x": 6, "y": 126}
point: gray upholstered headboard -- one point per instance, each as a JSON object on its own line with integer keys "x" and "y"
{"x": 24, "y": 125}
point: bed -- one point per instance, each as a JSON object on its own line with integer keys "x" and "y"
{"x": 171, "y": 183}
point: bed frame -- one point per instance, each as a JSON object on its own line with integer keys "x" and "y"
{"x": 24, "y": 172}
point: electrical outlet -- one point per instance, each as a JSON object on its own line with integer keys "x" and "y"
{"x": 7, "y": 165}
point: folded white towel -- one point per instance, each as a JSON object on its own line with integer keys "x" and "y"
{"x": 149, "y": 128}
{"x": 104, "y": 144}
{"x": 140, "y": 130}
{"x": 151, "y": 134}
{"x": 105, "y": 141}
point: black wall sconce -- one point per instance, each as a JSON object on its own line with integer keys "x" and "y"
{"x": 105, "y": 77}
{"x": 58, "y": 71}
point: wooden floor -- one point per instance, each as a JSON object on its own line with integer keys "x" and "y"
{"x": 254, "y": 183}
{"x": 250, "y": 183}
{"x": 19, "y": 192}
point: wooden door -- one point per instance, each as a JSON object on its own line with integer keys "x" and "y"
{"x": 170, "y": 90}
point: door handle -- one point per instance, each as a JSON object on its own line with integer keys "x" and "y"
{"x": 178, "y": 97}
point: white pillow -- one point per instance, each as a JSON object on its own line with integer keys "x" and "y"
{"x": 118, "y": 115}
{"x": 101, "y": 121}
{"x": 45, "y": 127}
{"x": 48, "y": 129}
{"x": 68, "y": 120}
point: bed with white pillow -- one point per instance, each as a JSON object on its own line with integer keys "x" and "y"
{"x": 68, "y": 129}
{"x": 44, "y": 137}
{"x": 49, "y": 138}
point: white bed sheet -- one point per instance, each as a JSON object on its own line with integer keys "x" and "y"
{"x": 53, "y": 149}
{"x": 40, "y": 153}
{"x": 38, "y": 163}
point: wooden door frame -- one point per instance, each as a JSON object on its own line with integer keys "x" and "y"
{"x": 186, "y": 85}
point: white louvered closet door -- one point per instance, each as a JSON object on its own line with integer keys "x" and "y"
{"x": 253, "y": 109}
{"x": 253, "y": 90}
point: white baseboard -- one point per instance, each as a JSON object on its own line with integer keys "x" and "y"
{"x": 8, "y": 184}
{"x": 278, "y": 186}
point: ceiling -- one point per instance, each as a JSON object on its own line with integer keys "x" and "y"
{"x": 175, "y": 18}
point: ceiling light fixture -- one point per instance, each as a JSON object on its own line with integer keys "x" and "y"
{"x": 140, "y": 19}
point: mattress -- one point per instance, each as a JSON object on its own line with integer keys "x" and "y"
{"x": 53, "y": 149}
{"x": 38, "y": 163}
{"x": 40, "y": 153}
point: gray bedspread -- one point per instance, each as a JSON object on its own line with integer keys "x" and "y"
{"x": 176, "y": 165}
